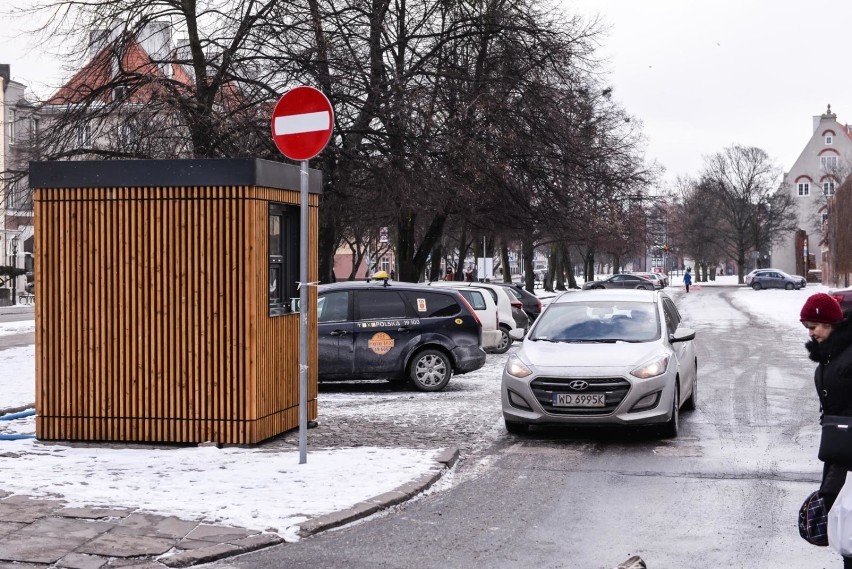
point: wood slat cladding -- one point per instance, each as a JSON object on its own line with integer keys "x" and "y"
{"x": 152, "y": 320}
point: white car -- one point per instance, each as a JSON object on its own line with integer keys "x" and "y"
{"x": 509, "y": 329}
{"x": 603, "y": 357}
{"x": 485, "y": 307}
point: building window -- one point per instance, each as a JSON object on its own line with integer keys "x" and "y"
{"x": 828, "y": 162}
{"x": 384, "y": 265}
{"x": 284, "y": 257}
{"x": 828, "y": 188}
{"x": 829, "y": 139}
{"x": 12, "y": 119}
{"x": 804, "y": 189}
{"x": 34, "y": 128}
{"x": 84, "y": 136}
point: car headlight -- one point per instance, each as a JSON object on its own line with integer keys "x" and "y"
{"x": 652, "y": 368}
{"x": 514, "y": 366}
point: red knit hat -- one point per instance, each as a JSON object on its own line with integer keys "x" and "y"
{"x": 823, "y": 308}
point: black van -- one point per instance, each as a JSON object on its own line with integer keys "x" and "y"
{"x": 396, "y": 331}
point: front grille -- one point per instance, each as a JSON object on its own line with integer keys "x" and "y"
{"x": 616, "y": 389}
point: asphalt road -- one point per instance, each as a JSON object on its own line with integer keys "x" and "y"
{"x": 724, "y": 494}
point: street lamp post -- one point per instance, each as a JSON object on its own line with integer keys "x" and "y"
{"x": 14, "y": 244}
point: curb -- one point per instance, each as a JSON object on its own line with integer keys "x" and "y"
{"x": 7, "y": 410}
{"x": 221, "y": 550}
{"x": 446, "y": 459}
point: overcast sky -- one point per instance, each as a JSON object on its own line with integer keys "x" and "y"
{"x": 700, "y": 74}
{"x": 703, "y": 75}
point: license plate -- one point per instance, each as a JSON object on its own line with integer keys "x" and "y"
{"x": 579, "y": 399}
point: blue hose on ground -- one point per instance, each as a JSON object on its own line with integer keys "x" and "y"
{"x": 15, "y": 437}
{"x": 21, "y": 415}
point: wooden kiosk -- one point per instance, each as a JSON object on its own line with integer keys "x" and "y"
{"x": 163, "y": 300}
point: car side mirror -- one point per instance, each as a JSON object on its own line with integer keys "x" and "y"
{"x": 682, "y": 335}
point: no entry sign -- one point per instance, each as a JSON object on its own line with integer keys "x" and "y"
{"x": 302, "y": 123}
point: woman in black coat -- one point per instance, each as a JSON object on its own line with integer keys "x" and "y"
{"x": 831, "y": 337}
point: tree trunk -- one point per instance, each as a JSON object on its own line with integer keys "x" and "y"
{"x": 410, "y": 262}
{"x": 463, "y": 246}
{"x": 528, "y": 251}
{"x": 589, "y": 265}
{"x": 569, "y": 268}
{"x": 504, "y": 262}
{"x": 560, "y": 268}
{"x": 550, "y": 275}
{"x": 435, "y": 262}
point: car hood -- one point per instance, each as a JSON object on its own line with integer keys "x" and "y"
{"x": 543, "y": 355}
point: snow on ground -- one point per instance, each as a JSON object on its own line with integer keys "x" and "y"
{"x": 238, "y": 486}
{"x": 256, "y": 488}
{"x": 253, "y": 487}
{"x": 20, "y": 327}
{"x": 17, "y": 378}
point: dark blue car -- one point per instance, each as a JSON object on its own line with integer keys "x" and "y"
{"x": 396, "y": 331}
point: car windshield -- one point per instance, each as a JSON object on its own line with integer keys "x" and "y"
{"x": 598, "y": 321}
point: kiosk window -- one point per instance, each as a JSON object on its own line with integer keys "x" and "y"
{"x": 283, "y": 257}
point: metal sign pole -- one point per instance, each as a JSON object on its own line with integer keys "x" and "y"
{"x": 303, "y": 327}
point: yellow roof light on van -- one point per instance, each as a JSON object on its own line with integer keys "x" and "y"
{"x": 381, "y": 275}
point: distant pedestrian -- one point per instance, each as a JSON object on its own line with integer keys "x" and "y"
{"x": 687, "y": 278}
{"x": 468, "y": 275}
{"x": 449, "y": 275}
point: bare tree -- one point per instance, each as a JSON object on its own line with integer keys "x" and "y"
{"x": 740, "y": 184}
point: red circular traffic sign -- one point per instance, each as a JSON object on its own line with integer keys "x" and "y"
{"x": 302, "y": 122}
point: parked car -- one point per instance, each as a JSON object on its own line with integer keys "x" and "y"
{"x": 749, "y": 278}
{"x": 485, "y": 305}
{"x": 775, "y": 279}
{"x": 396, "y": 331}
{"x": 508, "y": 326}
{"x": 653, "y": 277}
{"x": 603, "y": 357}
{"x": 661, "y": 275}
{"x": 522, "y": 320}
{"x": 843, "y": 296}
{"x": 532, "y": 304}
{"x": 622, "y": 280}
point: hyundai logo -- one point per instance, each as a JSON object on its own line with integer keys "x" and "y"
{"x": 578, "y": 384}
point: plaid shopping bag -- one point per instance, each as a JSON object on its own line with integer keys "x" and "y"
{"x": 813, "y": 520}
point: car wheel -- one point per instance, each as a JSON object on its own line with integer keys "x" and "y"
{"x": 788, "y": 286}
{"x": 692, "y": 403}
{"x": 756, "y": 286}
{"x": 430, "y": 370}
{"x": 671, "y": 428}
{"x": 642, "y": 287}
{"x": 505, "y": 342}
{"x": 598, "y": 287}
{"x": 517, "y": 428}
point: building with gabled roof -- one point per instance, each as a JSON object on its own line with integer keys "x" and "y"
{"x": 825, "y": 161}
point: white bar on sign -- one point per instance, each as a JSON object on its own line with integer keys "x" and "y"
{"x": 308, "y": 122}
